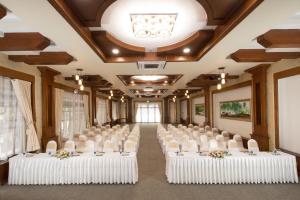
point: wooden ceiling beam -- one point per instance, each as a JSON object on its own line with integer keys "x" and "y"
{"x": 2, "y": 12}
{"x": 260, "y": 55}
{"x": 23, "y": 42}
{"x": 45, "y": 58}
{"x": 280, "y": 38}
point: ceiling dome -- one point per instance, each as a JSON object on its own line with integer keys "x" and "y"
{"x": 153, "y": 23}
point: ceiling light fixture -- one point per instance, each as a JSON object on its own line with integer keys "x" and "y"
{"x": 153, "y": 25}
{"x": 149, "y": 77}
{"x": 115, "y": 51}
{"x": 80, "y": 82}
{"x": 81, "y": 87}
{"x": 186, "y": 50}
{"x": 219, "y": 86}
{"x": 222, "y": 78}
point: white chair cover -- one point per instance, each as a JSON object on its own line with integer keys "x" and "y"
{"x": 253, "y": 146}
{"x": 204, "y": 147}
{"x": 108, "y": 146}
{"x": 233, "y": 146}
{"x": 51, "y": 147}
{"x": 69, "y": 146}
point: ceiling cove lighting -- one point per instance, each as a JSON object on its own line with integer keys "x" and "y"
{"x": 149, "y": 77}
{"x": 157, "y": 25}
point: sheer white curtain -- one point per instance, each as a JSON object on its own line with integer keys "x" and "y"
{"x": 86, "y": 109}
{"x": 183, "y": 109}
{"x": 148, "y": 112}
{"x": 59, "y": 100}
{"x": 107, "y": 110}
{"x": 22, "y": 90}
{"x": 114, "y": 110}
{"x": 73, "y": 116}
{"x": 101, "y": 111}
{"x": 12, "y": 123}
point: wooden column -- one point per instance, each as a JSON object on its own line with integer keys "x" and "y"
{"x": 94, "y": 104}
{"x": 207, "y": 106}
{"x": 188, "y": 107}
{"x": 110, "y": 112}
{"x": 129, "y": 110}
{"x": 48, "y": 105}
{"x": 166, "y": 110}
{"x": 259, "y": 105}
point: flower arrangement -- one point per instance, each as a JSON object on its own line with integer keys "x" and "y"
{"x": 217, "y": 154}
{"x": 62, "y": 154}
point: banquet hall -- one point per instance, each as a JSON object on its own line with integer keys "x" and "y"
{"x": 149, "y": 99}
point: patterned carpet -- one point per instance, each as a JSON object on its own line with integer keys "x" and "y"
{"x": 152, "y": 184}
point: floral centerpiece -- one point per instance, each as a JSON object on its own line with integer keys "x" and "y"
{"x": 62, "y": 154}
{"x": 217, "y": 154}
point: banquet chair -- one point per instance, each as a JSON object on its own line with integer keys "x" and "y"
{"x": 91, "y": 134}
{"x": 207, "y": 128}
{"x": 98, "y": 131}
{"x": 195, "y": 134}
{"x": 108, "y": 146}
{"x": 69, "y": 146}
{"x": 253, "y": 146}
{"x": 129, "y": 146}
{"x": 172, "y": 146}
{"x": 233, "y": 146}
{"x": 190, "y": 146}
{"x": 179, "y": 125}
{"x": 215, "y": 130}
{"x": 196, "y": 128}
{"x": 239, "y": 141}
{"x": 107, "y": 126}
{"x": 81, "y": 145}
{"x": 98, "y": 143}
{"x": 90, "y": 146}
{"x": 203, "y": 143}
{"x": 210, "y": 135}
{"x": 51, "y": 147}
{"x": 93, "y": 128}
{"x": 226, "y": 135}
{"x": 201, "y": 130}
{"x": 213, "y": 145}
{"x": 190, "y": 126}
{"x": 221, "y": 142}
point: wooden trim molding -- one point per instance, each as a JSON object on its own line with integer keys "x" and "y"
{"x": 259, "y": 105}
{"x": 276, "y": 76}
{"x": 225, "y": 89}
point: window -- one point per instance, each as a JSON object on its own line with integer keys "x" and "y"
{"x": 12, "y": 123}
{"x": 148, "y": 112}
{"x": 73, "y": 116}
{"x": 101, "y": 111}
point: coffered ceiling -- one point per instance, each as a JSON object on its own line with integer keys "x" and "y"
{"x": 224, "y": 34}
{"x": 106, "y": 25}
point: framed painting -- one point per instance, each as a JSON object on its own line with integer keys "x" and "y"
{"x": 200, "y": 109}
{"x": 236, "y": 110}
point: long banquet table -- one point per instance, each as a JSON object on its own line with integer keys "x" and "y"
{"x": 238, "y": 168}
{"x": 43, "y": 169}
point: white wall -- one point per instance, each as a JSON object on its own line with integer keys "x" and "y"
{"x": 243, "y": 128}
{"x": 288, "y": 113}
{"x": 197, "y": 118}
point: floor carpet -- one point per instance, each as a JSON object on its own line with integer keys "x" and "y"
{"x": 152, "y": 184}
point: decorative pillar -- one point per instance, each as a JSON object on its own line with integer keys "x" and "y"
{"x": 259, "y": 105}
{"x": 129, "y": 110}
{"x": 207, "y": 105}
{"x": 94, "y": 105}
{"x": 166, "y": 110}
{"x": 48, "y": 105}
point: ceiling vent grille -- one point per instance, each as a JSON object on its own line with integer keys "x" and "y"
{"x": 151, "y": 65}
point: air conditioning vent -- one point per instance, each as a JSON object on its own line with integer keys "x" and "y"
{"x": 151, "y": 65}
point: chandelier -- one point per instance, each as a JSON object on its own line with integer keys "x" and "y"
{"x": 152, "y": 25}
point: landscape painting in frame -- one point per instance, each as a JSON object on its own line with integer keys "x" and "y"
{"x": 200, "y": 109}
{"x": 236, "y": 110}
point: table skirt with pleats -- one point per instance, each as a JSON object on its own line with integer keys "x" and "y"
{"x": 240, "y": 168}
{"x": 42, "y": 169}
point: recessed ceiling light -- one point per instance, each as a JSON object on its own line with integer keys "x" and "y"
{"x": 166, "y": 82}
{"x": 132, "y": 82}
{"x": 186, "y": 50}
{"x": 115, "y": 51}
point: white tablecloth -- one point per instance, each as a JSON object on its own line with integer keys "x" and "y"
{"x": 111, "y": 168}
{"x": 236, "y": 169}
